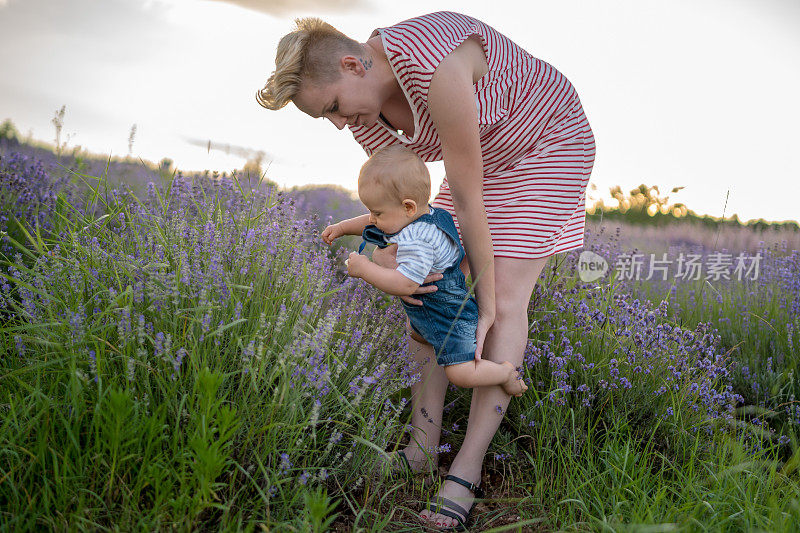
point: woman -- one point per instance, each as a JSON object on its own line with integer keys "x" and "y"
{"x": 517, "y": 150}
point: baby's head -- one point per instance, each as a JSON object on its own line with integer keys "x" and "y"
{"x": 394, "y": 184}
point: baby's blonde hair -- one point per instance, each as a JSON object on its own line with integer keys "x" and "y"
{"x": 399, "y": 172}
{"x": 309, "y": 52}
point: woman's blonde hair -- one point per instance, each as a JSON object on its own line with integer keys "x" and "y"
{"x": 309, "y": 52}
{"x": 399, "y": 172}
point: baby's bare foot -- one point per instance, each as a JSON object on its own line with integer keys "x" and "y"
{"x": 515, "y": 386}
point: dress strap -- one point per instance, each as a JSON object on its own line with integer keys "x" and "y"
{"x": 386, "y": 121}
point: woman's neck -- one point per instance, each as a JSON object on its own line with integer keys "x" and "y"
{"x": 388, "y": 86}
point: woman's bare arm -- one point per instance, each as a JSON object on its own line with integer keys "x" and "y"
{"x": 451, "y": 102}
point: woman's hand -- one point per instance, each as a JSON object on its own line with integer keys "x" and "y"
{"x": 387, "y": 257}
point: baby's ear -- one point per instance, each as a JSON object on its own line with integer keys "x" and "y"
{"x": 410, "y": 206}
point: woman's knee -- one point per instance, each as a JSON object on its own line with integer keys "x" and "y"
{"x": 514, "y": 282}
{"x": 510, "y": 310}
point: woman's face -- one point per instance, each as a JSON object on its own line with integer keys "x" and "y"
{"x": 350, "y": 100}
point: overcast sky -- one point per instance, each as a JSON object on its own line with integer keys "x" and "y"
{"x": 701, "y": 94}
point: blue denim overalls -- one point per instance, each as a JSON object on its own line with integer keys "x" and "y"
{"x": 448, "y": 317}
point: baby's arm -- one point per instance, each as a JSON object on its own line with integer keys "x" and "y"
{"x": 414, "y": 261}
{"x": 388, "y": 280}
{"x": 351, "y": 226}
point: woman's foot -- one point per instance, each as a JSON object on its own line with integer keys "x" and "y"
{"x": 455, "y": 492}
{"x": 515, "y": 385}
{"x": 413, "y": 458}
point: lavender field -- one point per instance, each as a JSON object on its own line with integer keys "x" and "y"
{"x": 183, "y": 352}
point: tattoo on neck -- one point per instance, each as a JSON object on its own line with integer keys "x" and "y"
{"x": 366, "y": 62}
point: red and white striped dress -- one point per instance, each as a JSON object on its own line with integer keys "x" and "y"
{"x": 537, "y": 146}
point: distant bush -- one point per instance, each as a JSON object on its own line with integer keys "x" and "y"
{"x": 646, "y": 205}
{"x": 8, "y": 131}
{"x": 326, "y": 202}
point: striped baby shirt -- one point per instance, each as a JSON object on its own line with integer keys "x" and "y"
{"x": 422, "y": 248}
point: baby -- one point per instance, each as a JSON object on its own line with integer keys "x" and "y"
{"x": 395, "y": 186}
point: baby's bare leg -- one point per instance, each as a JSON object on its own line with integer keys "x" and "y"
{"x": 482, "y": 373}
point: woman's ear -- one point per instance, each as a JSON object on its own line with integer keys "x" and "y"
{"x": 410, "y": 207}
{"x": 351, "y": 64}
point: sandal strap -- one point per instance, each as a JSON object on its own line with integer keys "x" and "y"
{"x": 471, "y": 486}
{"x": 446, "y": 507}
{"x": 406, "y": 464}
{"x": 453, "y": 505}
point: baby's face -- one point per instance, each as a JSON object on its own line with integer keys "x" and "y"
{"x": 389, "y": 215}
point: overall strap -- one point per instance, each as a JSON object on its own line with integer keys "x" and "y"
{"x": 444, "y": 221}
{"x": 373, "y": 235}
{"x": 439, "y": 218}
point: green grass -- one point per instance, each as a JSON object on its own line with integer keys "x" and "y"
{"x": 282, "y": 358}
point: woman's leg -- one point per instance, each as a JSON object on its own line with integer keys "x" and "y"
{"x": 506, "y": 341}
{"x": 427, "y": 403}
{"x": 427, "y": 395}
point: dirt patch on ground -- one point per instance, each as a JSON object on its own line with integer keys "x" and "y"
{"x": 404, "y": 499}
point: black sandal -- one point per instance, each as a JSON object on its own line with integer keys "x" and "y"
{"x": 446, "y": 506}
{"x": 405, "y": 469}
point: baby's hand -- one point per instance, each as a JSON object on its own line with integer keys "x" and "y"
{"x": 332, "y": 233}
{"x": 355, "y": 263}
